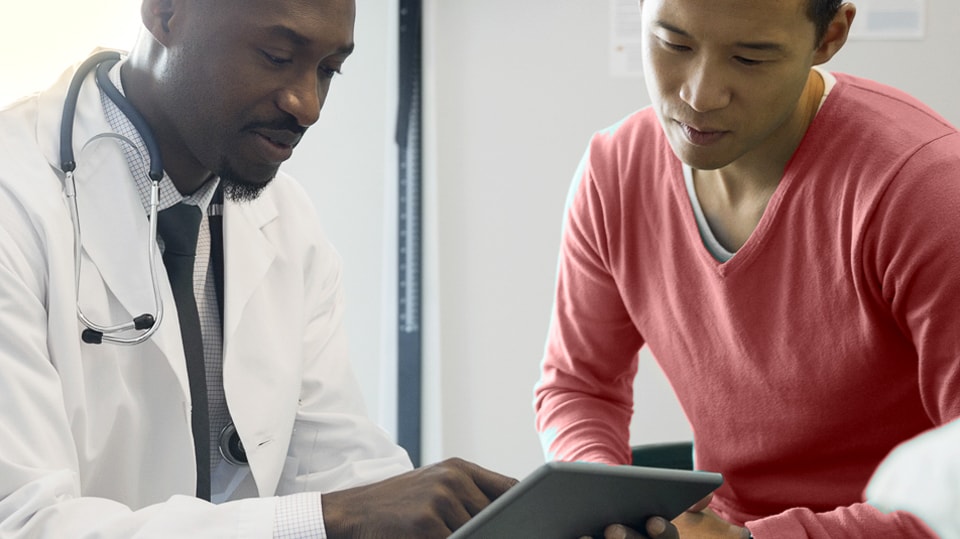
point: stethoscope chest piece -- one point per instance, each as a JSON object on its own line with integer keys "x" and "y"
{"x": 231, "y": 448}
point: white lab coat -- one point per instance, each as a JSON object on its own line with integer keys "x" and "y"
{"x": 922, "y": 476}
{"x": 95, "y": 440}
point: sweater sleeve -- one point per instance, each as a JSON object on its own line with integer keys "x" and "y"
{"x": 858, "y": 520}
{"x": 584, "y": 399}
{"x": 911, "y": 250}
{"x": 911, "y": 261}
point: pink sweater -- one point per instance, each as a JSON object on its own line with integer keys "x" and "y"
{"x": 831, "y": 336}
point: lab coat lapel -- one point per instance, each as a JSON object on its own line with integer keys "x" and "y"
{"x": 113, "y": 223}
{"x": 248, "y": 254}
{"x": 250, "y": 382}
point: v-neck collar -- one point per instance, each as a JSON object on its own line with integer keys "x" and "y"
{"x": 710, "y": 250}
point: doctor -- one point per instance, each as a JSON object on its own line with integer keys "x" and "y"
{"x": 98, "y": 439}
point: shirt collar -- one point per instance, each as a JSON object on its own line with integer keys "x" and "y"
{"x": 138, "y": 157}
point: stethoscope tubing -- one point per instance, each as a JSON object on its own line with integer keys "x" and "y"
{"x": 147, "y": 323}
{"x": 96, "y": 333}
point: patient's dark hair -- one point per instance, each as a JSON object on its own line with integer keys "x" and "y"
{"x": 821, "y": 12}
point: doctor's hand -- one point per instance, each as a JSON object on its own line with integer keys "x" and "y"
{"x": 428, "y": 502}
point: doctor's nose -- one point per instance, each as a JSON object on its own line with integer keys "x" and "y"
{"x": 303, "y": 100}
{"x": 705, "y": 90}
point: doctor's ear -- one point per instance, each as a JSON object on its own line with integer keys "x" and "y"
{"x": 156, "y": 15}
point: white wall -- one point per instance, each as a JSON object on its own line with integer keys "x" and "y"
{"x": 41, "y": 38}
{"x": 517, "y": 89}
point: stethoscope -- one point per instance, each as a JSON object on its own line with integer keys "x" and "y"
{"x": 231, "y": 448}
{"x": 146, "y": 323}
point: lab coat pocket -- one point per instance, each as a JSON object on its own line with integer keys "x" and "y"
{"x": 288, "y": 478}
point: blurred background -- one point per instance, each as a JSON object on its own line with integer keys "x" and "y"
{"x": 512, "y": 93}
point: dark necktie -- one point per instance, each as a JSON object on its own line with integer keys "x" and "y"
{"x": 179, "y": 226}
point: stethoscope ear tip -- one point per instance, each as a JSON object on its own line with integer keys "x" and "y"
{"x": 90, "y": 336}
{"x": 144, "y": 321}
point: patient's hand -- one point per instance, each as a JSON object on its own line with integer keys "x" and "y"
{"x": 700, "y": 522}
{"x": 696, "y": 522}
{"x": 656, "y": 527}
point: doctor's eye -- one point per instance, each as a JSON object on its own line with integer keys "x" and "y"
{"x": 275, "y": 60}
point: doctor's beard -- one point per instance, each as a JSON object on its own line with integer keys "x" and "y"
{"x": 238, "y": 188}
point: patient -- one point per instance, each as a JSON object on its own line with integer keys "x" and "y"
{"x": 783, "y": 239}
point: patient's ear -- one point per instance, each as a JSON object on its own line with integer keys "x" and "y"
{"x": 836, "y": 35}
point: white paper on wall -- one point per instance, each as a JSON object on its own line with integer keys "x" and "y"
{"x": 625, "y": 55}
{"x": 889, "y": 19}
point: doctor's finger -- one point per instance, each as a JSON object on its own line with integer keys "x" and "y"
{"x": 490, "y": 483}
{"x": 458, "y": 482}
{"x": 469, "y": 498}
{"x": 455, "y": 515}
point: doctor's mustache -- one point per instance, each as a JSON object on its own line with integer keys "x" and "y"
{"x": 289, "y": 123}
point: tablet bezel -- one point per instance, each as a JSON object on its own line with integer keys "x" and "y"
{"x": 576, "y": 499}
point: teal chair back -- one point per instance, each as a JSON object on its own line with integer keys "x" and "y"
{"x": 673, "y": 455}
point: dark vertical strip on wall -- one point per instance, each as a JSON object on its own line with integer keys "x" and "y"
{"x": 409, "y": 343}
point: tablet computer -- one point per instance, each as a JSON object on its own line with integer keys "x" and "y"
{"x": 574, "y": 499}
